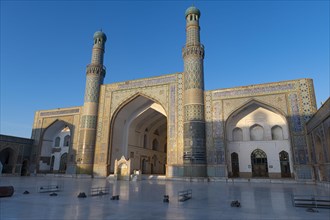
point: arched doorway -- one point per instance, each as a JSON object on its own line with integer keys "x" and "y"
{"x": 8, "y": 160}
{"x": 52, "y": 163}
{"x": 259, "y": 163}
{"x": 144, "y": 166}
{"x": 234, "y": 165}
{"x": 139, "y": 132}
{"x": 63, "y": 163}
{"x": 285, "y": 164}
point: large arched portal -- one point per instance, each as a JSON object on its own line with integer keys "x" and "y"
{"x": 139, "y": 133}
{"x": 55, "y": 148}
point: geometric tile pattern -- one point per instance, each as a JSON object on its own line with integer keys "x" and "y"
{"x": 180, "y": 118}
{"x": 194, "y": 117}
{"x": 88, "y": 121}
{"x": 143, "y": 82}
{"x": 194, "y": 142}
{"x": 254, "y": 90}
{"x": 295, "y": 112}
{"x": 306, "y": 94}
{"x": 93, "y": 83}
{"x": 172, "y": 128}
{"x": 194, "y": 113}
{"x": 194, "y": 74}
{"x": 60, "y": 112}
{"x": 208, "y": 121}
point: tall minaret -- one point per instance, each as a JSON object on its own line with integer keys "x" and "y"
{"x": 194, "y": 121}
{"x": 95, "y": 73}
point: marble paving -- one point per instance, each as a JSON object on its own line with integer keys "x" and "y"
{"x": 144, "y": 200}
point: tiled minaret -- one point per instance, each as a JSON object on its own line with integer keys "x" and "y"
{"x": 94, "y": 79}
{"x": 194, "y": 122}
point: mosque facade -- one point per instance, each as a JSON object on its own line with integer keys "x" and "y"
{"x": 170, "y": 125}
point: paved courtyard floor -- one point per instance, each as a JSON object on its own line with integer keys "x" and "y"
{"x": 144, "y": 200}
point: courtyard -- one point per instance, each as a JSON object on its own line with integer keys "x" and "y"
{"x": 144, "y": 199}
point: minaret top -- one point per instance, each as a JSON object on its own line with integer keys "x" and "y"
{"x": 193, "y": 10}
{"x": 100, "y": 34}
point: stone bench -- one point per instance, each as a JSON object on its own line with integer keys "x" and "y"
{"x": 49, "y": 188}
{"x": 311, "y": 201}
{"x": 184, "y": 195}
{"x": 99, "y": 191}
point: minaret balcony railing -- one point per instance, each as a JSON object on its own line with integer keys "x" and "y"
{"x": 96, "y": 69}
{"x": 194, "y": 50}
{"x": 194, "y": 44}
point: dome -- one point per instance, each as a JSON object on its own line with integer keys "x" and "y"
{"x": 192, "y": 10}
{"x": 100, "y": 34}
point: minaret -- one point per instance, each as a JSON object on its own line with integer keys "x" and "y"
{"x": 194, "y": 157}
{"x": 95, "y": 73}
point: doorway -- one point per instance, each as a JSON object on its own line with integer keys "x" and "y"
{"x": 285, "y": 164}
{"x": 235, "y": 165}
{"x": 259, "y": 163}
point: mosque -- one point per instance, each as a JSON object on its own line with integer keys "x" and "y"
{"x": 170, "y": 126}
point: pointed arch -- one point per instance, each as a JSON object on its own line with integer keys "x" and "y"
{"x": 133, "y": 126}
{"x": 259, "y": 163}
{"x": 257, "y": 103}
{"x": 256, "y": 133}
{"x": 57, "y": 142}
{"x": 277, "y": 132}
{"x": 49, "y": 135}
{"x": 237, "y": 134}
{"x": 8, "y": 158}
{"x": 285, "y": 164}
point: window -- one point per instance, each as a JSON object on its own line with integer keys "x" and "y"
{"x": 57, "y": 141}
{"x": 67, "y": 140}
{"x": 155, "y": 144}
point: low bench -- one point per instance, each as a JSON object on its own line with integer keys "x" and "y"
{"x": 99, "y": 191}
{"x": 184, "y": 195}
{"x": 6, "y": 191}
{"x": 115, "y": 197}
{"x": 49, "y": 188}
{"x": 311, "y": 201}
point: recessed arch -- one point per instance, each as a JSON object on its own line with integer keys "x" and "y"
{"x": 49, "y": 157}
{"x": 277, "y": 132}
{"x": 8, "y": 157}
{"x": 234, "y": 164}
{"x": 285, "y": 164}
{"x": 237, "y": 134}
{"x": 259, "y": 163}
{"x": 134, "y": 126}
{"x": 256, "y": 133}
{"x": 254, "y": 102}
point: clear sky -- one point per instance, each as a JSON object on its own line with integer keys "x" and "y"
{"x": 46, "y": 46}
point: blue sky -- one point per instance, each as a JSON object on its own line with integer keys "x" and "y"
{"x": 46, "y": 46}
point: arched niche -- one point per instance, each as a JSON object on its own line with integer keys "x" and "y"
{"x": 134, "y": 128}
{"x": 53, "y": 146}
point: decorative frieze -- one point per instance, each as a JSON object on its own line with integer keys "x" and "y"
{"x": 60, "y": 112}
